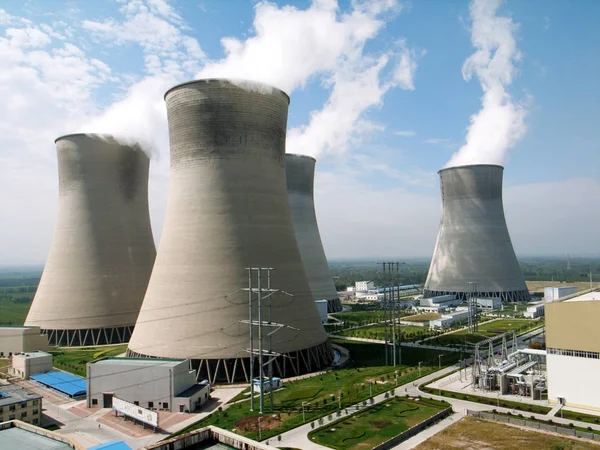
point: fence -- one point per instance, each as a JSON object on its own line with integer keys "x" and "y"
{"x": 391, "y": 443}
{"x": 535, "y": 424}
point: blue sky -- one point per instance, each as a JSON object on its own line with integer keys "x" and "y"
{"x": 69, "y": 66}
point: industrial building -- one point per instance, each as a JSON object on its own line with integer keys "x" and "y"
{"x": 102, "y": 251}
{"x": 438, "y": 303}
{"x": 489, "y": 304}
{"x": 473, "y": 244}
{"x": 155, "y": 384}
{"x": 554, "y": 293}
{"x": 534, "y": 311}
{"x": 227, "y": 211}
{"x": 323, "y": 307}
{"x": 449, "y": 320}
{"x": 17, "y": 434}
{"x": 364, "y": 286}
{"x": 208, "y": 438}
{"x": 17, "y": 403}
{"x": 573, "y": 348}
{"x": 21, "y": 339}
{"x": 299, "y": 176}
{"x": 23, "y": 365}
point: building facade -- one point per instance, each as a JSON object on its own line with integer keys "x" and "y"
{"x": 364, "y": 286}
{"x": 21, "y": 339}
{"x": 323, "y": 307}
{"x": 26, "y": 364}
{"x": 156, "y": 384}
{"x": 17, "y": 403}
{"x": 573, "y": 350}
{"x": 489, "y": 304}
{"x": 554, "y": 293}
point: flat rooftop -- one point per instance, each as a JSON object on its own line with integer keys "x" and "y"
{"x": 19, "y": 438}
{"x": 590, "y": 296}
{"x": 139, "y": 362}
{"x": 11, "y": 394}
{"x": 32, "y": 355}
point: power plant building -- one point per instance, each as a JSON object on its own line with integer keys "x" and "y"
{"x": 102, "y": 251}
{"x": 300, "y": 174}
{"x": 473, "y": 243}
{"x": 21, "y": 339}
{"x": 227, "y": 211}
{"x": 573, "y": 350}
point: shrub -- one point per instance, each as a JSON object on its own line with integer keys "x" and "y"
{"x": 532, "y": 417}
{"x": 571, "y": 425}
{"x": 312, "y": 425}
{"x": 589, "y": 428}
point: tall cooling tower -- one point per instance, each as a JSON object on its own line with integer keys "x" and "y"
{"x": 473, "y": 244}
{"x": 227, "y": 210}
{"x": 300, "y": 174}
{"x": 102, "y": 252}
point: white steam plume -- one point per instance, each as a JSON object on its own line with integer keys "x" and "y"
{"x": 500, "y": 124}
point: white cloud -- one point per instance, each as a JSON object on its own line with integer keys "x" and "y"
{"x": 500, "y": 124}
{"x": 404, "y": 133}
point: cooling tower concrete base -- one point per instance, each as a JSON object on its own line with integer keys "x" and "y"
{"x": 473, "y": 244}
{"x": 79, "y": 338}
{"x": 237, "y": 369}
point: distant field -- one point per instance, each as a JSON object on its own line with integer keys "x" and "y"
{"x": 422, "y": 317}
{"x": 13, "y": 313}
{"x": 74, "y": 360}
{"x": 476, "y": 434}
{"x": 377, "y": 424}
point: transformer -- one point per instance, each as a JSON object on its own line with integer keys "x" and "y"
{"x": 227, "y": 211}
{"x": 473, "y": 244}
{"x": 300, "y": 174}
{"x": 102, "y": 251}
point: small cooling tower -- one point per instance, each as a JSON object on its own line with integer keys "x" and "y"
{"x": 227, "y": 210}
{"x": 473, "y": 244}
{"x": 300, "y": 174}
{"x": 102, "y": 252}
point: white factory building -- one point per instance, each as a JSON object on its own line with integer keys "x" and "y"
{"x": 573, "y": 350}
{"x": 322, "y": 307}
{"x": 489, "y": 304}
{"x": 155, "y": 384}
{"x": 534, "y": 311}
{"x": 31, "y": 363}
{"x": 449, "y": 320}
{"x": 364, "y": 286}
{"x": 554, "y": 293}
{"x": 438, "y": 303}
{"x": 21, "y": 339}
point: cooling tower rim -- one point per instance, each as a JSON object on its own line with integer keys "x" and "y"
{"x": 301, "y": 156}
{"x": 226, "y": 80}
{"x": 90, "y": 135}
{"x": 470, "y": 165}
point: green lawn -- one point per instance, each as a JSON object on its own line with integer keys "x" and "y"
{"x": 422, "y": 317}
{"x": 376, "y": 424}
{"x": 74, "y": 360}
{"x": 364, "y": 375}
{"x": 486, "y": 331}
{"x": 377, "y": 332}
{"x": 356, "y": 318}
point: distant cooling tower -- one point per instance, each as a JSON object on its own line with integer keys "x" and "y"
{"x": 102, "y": 252}
{"x": 300, "y": 174}
{"x": 227, "y": 210}
{"x": 473, "y": 243}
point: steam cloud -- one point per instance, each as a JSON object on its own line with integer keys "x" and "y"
{"x": 500, "y": 123}
{"x": 331, "y": 49}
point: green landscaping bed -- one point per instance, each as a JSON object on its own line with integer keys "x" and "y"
{"x": 376, "y": 424}
{"x": 74, "y": 360}
{"x": 582, "y": 417}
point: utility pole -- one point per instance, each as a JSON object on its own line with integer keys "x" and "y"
{"x": 391, "y": 269}
{"x": 472, "y": 302}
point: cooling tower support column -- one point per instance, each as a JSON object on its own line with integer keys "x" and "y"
{"x": 102, "y": 252}
{"x": 473, "y": 244}
{"x": 227, "y": 210}
{"x": 300, "y": 173}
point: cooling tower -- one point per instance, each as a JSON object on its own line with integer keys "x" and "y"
{"x": 473, "y": 244}
{"x": 300, "y": 174}
{"x": 102, "y": 251}
{"x": 227, "y": 210}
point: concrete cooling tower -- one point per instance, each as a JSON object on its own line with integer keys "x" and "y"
{"x": 300, "y": 174}
{"x": 473, "y": 244}
{"x": 227, "y": 210}
{"x": 102, "y": 252}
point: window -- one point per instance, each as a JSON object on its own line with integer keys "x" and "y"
{"x": 23, "y": 415}
{"x": 35, "y": 402}
{"x": 11, "y": 407}
{"x": 11, "y": 417}
{"x": 24, "y": 405}
{"x": 35, "y": 411}
{"x": 36, "y": 421}
{"x": 94, "y": 401}
{"x": 136, "y": 403}
{"x": 150, "y": 404}
{"x": 165, "y": 406}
